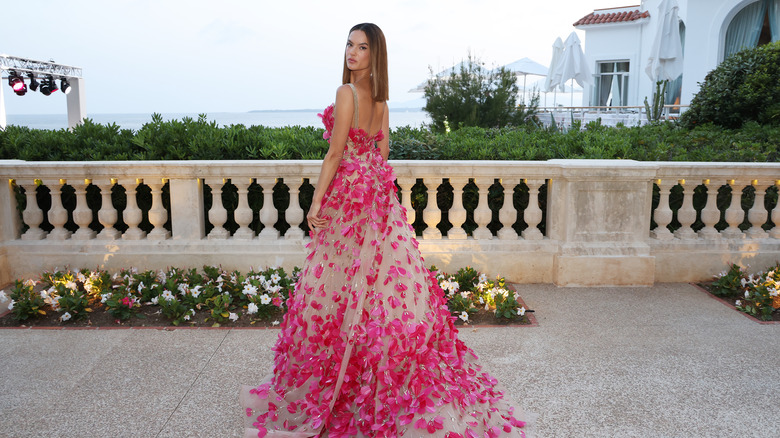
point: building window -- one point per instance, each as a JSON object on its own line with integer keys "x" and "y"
{"x": 611, "y": 83}
{"x": 755, "y": 25}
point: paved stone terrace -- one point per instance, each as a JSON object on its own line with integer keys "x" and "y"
{"x": 662, "y": 361}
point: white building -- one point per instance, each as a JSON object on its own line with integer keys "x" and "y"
{"x": 618, "y": 42}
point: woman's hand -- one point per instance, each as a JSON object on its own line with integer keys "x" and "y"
{"x": 313, "y": 216}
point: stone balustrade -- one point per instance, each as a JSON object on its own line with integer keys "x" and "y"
{"x": 569, "y": 222}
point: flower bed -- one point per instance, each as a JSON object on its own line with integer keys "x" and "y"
{"x": 758, "y": 295}
{"x": 211, "y": 297}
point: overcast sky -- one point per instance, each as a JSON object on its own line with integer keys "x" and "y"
{"x": 198, "y": 56}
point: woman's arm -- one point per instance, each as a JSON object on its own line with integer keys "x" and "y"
{"x": 343, "y": 114}
{"x": 384, "y": 145}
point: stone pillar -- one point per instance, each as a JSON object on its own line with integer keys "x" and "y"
{"x": 599, "y": 211}
{"x": 188, "y": 219}
{"x": 10, "y": 225}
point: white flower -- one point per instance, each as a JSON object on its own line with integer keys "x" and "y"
{"x": 521, "y": 311}
{"x": 187, "y": 317}
{"x": 250, "y": 290}
{"x": 747, "y": 294}
{"x": 738, "y": 303}
{"x": 482, "y": 278}
{"x": 275, "y": 323}
{"x": 155, "y": 300}
{"x": 3, "y": 296}
{"x": 141, "y": 286}
{"x": 71, "y": 285}
{"x": 265, "y": 299}
{"x": 481, "y": 300}
{"x": 168, "y": 295}
{"x": 251, "y": 308}
{"x": 465, "y": 294}
{"x": 261, "y": 279}
{"x": 464, "y": 316}
{"x": 192, "y": 312}
{"x": 183, "y": 288}
{"x": 65, "y": 316}
{"x": 80, "y": 277}
{"x": 275, "y": 278}
{"x": 11, "y": 305}
{"x": 233, "y": 317}
{"x": 274, "y": 289}
{"x": 105, "y": 297}
{"x": 195, "y": 291}
{"x": 29, "y": 283}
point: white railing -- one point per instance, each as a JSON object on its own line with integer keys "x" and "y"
{"x": 606, "y": 115}
{"x": 591, "y": 225}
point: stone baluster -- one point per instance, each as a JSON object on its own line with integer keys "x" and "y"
{"x": 243, "y": 214}
{"x": 508, "y": 213}
{"x": 533, "y": 214}
{"x": 432, "y": 213}
{"x": 158, "y": 215}
{"x": 32, "y": 215}
{"x": 107, "y": 215}
{"x": 663, "y": 214}
{"x": 406, "y": 197}
{"x": 734, "y": 214}
{"x": 294, "y": 213}
{"x": 217, "y": 212}
{"x": 457, "y": 214}
{"x": 686, "y": 215}
{"x": 710, "y": 215}
{"x": 757, "y": 215}
{"x": 132, "y": 214}
{"x": 268, "y": 214}
{"x": 775, "y": 231}
{"x": 58, "y": 216}
{"x": 82, "y": 215}
{"x": 483, "y": 214}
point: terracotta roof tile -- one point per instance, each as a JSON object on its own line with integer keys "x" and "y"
{"x": 603, "y": 16}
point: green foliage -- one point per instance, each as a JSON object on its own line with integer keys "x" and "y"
{"x": 507, "y": 305}
{"x": 72, "y": 301}
{"x": 25, "y": 302}
{"x": 743, "y": 88}
{"x": 729, "y": 283}
{"x": 475, "y": 96}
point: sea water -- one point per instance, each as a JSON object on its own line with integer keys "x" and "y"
{"x": 398, "y": 118}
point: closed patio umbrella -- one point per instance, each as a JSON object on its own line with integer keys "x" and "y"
{"x": 666, "y": 56}
{"x": 549, "y": 81}
{"x": 573, "y": 65}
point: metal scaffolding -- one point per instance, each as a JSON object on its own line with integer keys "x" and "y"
{"x": 42, "y": 69}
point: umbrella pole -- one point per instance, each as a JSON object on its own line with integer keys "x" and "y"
{"x": 524, "y": 77}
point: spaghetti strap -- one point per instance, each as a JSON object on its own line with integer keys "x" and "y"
{"x": 354, "y": 99}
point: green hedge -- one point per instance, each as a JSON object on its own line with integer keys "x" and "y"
{"x": 203, "y": 140}
{"x": 199, "y": 139}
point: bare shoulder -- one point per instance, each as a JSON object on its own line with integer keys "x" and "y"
{"x": 344, "y": 93}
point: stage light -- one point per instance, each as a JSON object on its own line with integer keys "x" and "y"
{"x": 48, "y": 86}
{"x": 64, "y": 85}
{"x": 33, "y": 83}
{"x": 17, "y": 83}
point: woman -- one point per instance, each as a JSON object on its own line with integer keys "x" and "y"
{"x": 368, "y": 347}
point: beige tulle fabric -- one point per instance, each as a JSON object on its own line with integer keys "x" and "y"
{"x": 368, "y": 347}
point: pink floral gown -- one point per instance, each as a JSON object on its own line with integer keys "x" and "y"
{"x": 368, "y": 347}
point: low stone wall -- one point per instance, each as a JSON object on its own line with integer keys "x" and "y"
{"x": 592, "y": 225}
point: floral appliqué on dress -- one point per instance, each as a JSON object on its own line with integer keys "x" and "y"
{"x": 368, "y": 347}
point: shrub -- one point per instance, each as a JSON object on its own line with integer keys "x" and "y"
{"x": 474, "y": 96}
{"x": 743, "y": 88}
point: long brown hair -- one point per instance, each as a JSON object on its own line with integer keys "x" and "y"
{"x": 378, "y": 48}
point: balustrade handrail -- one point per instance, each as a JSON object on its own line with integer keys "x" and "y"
{"x": 576, "y": 219}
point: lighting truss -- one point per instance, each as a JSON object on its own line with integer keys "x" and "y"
{"x": 24, "y": 65}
